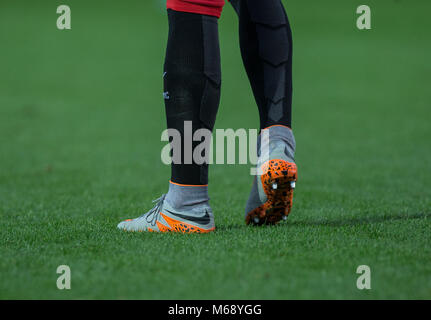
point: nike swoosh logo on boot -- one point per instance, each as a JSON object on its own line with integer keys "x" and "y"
{"x": 205, "y": 219}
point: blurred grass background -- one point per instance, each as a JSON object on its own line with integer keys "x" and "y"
{"x": 81, "y": 113}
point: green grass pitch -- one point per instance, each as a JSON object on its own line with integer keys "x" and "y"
{"x": 81, "y": 113}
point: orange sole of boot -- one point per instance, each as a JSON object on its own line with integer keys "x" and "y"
{"x": 278, "y": 181}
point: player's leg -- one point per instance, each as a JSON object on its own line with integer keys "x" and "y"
{"x": 266, "y": 48}
{"x": 192, "y": 79}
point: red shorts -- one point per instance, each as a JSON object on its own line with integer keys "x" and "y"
{"x": 208, "y": 7}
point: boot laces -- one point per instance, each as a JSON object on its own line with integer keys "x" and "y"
{"x": 153, "y": 215}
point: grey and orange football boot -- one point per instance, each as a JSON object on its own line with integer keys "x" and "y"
{"x": 163, "y": 217}
{"x": 271, "y": 196}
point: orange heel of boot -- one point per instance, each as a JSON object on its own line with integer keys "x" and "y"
{"x": 278, "y": 181}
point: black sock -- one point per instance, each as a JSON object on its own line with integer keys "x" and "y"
{"x": 191, "y": 83}
{"x": 266, "y": 48}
